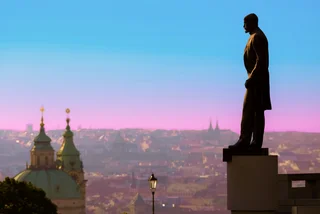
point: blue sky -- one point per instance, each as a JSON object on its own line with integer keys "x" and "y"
{"x": 153, "y": 64}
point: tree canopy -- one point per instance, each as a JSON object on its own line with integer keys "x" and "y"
{"x": 21, "y": 197}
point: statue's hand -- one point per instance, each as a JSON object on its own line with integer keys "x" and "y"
{"x": 248, "y": 83}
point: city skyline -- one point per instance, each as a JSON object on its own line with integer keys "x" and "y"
{"x": 151, "y": 65}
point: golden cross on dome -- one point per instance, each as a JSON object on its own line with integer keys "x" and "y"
{"x": 67, "y": 110}
{"x": 68, "y": 119}
{"x": 42, "y": 110}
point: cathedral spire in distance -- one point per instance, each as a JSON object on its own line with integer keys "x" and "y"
{"x": 217, "y": 124}
{"x": 210, "y": 126}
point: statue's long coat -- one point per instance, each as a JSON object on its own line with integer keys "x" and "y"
{"x": 256, "y": 61}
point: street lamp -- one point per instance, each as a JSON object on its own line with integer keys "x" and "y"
{"x": 153, "y": 185}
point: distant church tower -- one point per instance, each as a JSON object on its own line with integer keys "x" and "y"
{"x": 217, "y": 126}
{"x": 42, "y": 153}
{"x": 213, "y": 134}
{"x": 69, "y": 158}
{"x": 210, "y": 127}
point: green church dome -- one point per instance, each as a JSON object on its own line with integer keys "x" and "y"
{"x": 68, "y": 148}
{"x": 56, "y": 183}
{"x": 42, "y": 141}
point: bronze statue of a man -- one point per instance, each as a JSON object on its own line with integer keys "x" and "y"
{"x": 257, "y": 97}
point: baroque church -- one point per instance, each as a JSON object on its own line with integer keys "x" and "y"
{"x": 62, "y": 178}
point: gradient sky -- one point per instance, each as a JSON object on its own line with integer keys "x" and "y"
{"x": 154, "y": 64}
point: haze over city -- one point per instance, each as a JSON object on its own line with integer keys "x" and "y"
{"x": 164, "y": 64}
{"x": 134, "y": 107}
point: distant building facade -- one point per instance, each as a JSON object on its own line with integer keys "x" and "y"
{"x": 120, "y": 145}
{"x": 29, "y": 128}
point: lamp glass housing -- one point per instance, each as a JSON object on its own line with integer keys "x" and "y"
{"x": 153, "y": 183}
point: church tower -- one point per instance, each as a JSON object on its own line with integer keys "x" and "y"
{"x": 42, "y": 153}
{"x": 217, "y": 131}
{"x": 68, "y": 158}
{"x": 137, "y": 205}
{"x": 210, "y": 126}
{"x": 217, "y": 126}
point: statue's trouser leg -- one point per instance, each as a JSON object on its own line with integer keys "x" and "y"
{"x": 259, "y": 124}
{"x": 248, "y": 116}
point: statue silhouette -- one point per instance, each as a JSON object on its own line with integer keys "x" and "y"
{"x": 257, "y": 97}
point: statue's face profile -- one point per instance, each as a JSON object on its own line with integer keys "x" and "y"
{"x": 250, "y": 23}
{"x": 247, "y": 26}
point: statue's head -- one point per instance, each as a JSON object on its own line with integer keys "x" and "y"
{"x": 250, "y": 22}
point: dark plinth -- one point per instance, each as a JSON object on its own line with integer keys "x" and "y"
{"x": 228, "y": 153}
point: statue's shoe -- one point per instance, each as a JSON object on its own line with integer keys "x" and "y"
{"x": 240, "y": 145}
{"x": 255, "y": 145}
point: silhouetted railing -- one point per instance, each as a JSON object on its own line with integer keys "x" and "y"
{"x": 307, "y": 193}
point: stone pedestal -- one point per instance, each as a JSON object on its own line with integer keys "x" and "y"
{"x": 252, "y": 212}
{"x": 306, "y": 206}
{"x": 252, "y": 183}
{"x": 305, "y": 209}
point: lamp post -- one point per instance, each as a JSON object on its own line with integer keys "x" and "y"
{"x": 153, "y": 185}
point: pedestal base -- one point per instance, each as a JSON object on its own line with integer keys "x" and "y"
{"x": 227, "y": 154}
{"x": 306, "y": 210}
{"x": 252, "y": 184}
{"x": 252, "y": 212}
